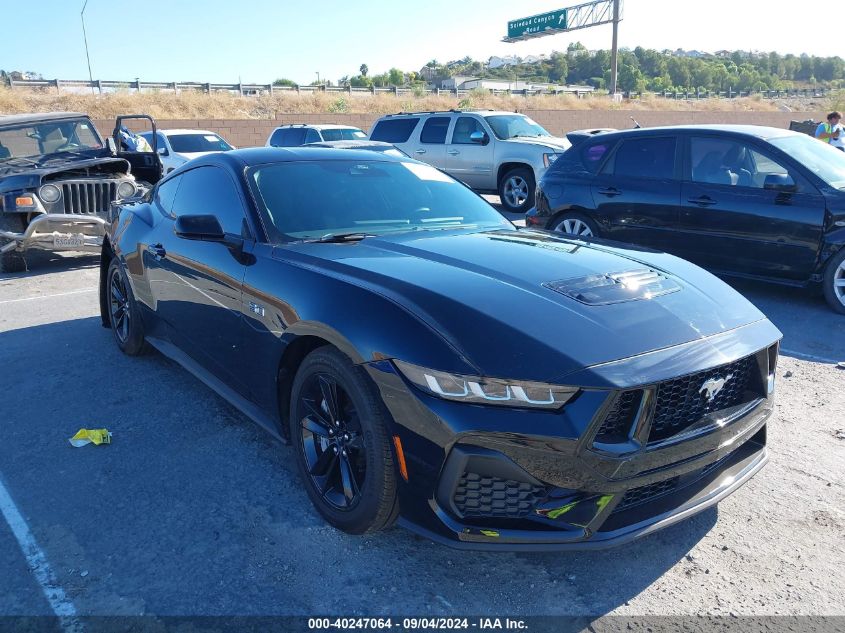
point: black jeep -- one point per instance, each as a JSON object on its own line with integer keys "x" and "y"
{"x": 58, "y": 179}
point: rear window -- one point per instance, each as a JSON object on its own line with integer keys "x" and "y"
{"x": 434, "y": 130}
{"x": 394, "y": 130}
{"x": 652, "y": 158}
{"x": 288, "y": 137}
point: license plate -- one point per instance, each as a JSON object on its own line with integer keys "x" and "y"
{"x": 68, "y": 241}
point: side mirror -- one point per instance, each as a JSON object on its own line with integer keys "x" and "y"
{"x": 479, "y": 137}
{"x": 780, "y": 182}
{"x": 162, "y": 151}
{"x": 110, "y": 144}
{"x": 199, "y": 227}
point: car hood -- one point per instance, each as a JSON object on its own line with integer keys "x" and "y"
{"x": 20, "y": 176}
{"x": 484, "y": 292}
{"x": 552, "y": 142}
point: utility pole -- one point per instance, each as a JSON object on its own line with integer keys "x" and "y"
{"x": 614, "y": 52}
{"x": 318, "y": 77}
{"x": 85, "y": 39}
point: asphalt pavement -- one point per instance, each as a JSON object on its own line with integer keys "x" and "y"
{"x": 194, "y": 510}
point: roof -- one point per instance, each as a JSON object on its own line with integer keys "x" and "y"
{"x": 320, "y": 126}
{"x": 238, "y": 158}
{"x": 174, "y": 132}
{"x": 23, "y": 119}
{"x": 757, "y": 131}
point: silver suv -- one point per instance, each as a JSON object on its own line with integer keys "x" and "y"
{"x": 492, "y": 152}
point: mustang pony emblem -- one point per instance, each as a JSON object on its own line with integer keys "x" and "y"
{"x": 713, "y": 386}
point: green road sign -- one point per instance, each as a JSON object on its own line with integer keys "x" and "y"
{"x": 537, "y": 24}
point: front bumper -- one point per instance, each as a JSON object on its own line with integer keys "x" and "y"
{"x": 58, "y": 231}
{"x": 484, "y": 477}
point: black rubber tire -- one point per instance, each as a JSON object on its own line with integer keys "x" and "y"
{"x": 574, "y": 215}
{"x": 378, "y": 505}
{"x": 528, "y": 176}
{"x": 135, "y": 344}
{"x": 14, "y": 261}
{"x": 829, "y": 279}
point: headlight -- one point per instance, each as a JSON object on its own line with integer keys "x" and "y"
{"x": 50, "y": 193}
{"x": 548, "y": 159}
{"x": 488, "y": 391}
{"x": 126, "y": 189}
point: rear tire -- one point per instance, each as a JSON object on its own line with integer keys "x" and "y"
{"x": 834, "y": 282}
{"x": 14, "y": 261}
{"x": 339, "y": 430}
{"x": 124, "y": 316}
{"x": 516, "y": 190}
{"x": 575, "y": 224}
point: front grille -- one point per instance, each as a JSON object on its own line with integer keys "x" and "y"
{"x": 636, "y": 496}
{"x": 88, "y": 196}
{"x": 617, "y": 424}
{"x": 481, "y": 496}
{"x": 683, "y": 401}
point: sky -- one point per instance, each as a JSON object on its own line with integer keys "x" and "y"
{"x": 262, "y": 40}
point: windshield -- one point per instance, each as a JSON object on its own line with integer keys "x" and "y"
{"x": 824, "y": 160}
{"x": 190, "y": 143}
{"x": 34, "y": 140}
{"x": 507, "y": 126}
{"x": 309, "y": 200}
{"x": 343, "y": 134}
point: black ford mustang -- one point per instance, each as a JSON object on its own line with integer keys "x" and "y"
{"x": 427, "y": 360}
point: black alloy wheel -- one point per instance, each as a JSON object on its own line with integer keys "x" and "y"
{"x": 124, "y": 319}
{"x": 339, "y": 428}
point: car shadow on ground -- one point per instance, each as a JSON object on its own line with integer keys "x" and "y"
{"x": 194, "y": 510}
{"x": 43, "y": 262}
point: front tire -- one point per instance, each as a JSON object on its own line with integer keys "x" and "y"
{"x": 576, "y": 225}
{"x": 338, "y": 428}
{"x": 834, "y": 282}
{"x": 13, "y": 261}
{"x": 516, "y": 190}
{"x": 124, "y": 317}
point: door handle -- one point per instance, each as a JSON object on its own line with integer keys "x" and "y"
{"x": 419, "y": 151}
{"x": 453, "y": 152}
{"x": 157, "y": 251}
{"x": 702, "y": 201}
{"x": 610, "y": 192}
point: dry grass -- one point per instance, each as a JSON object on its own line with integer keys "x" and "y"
{"x": 195, "y": 105}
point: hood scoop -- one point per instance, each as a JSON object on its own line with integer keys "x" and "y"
{"x": 604, "y": 289}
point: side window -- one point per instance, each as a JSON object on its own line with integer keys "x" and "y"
{"x": 165, "y": 193}
{"x": 394, "y": 130}
{"x": 434, "y": 130}
{"x": 162, "y": 142}
{"x": 728, "y": 162}
{"x": 593, "y": 155}
{"x": 312, "y": 136}
{"x": 652, "y": 158}
{"x": 464, "y": 127}
{"x": 210, "y": 191}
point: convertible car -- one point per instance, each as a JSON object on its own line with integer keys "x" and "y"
{"x": 485, "y": 385}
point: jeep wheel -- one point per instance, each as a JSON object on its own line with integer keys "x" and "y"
{"x": 834, "y": 282}
{"x": 339, "y": 431}
{"x": 124, "y": 318}
{"x": 516, "y": 190}
{"x": 12, "y": 261}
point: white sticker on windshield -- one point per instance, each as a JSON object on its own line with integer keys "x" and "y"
{"x": 211, "y": 137}
{"x": 426, "y": 172}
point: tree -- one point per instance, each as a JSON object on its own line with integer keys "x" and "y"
{"x": 395, "y": 77}
{"x": 364, "y": 69}
{"x": 285, "y": 82}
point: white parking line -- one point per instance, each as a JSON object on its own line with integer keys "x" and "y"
{"x": 810, "y": 357}
{"x": 38, "y": 565}
{"x": 61, "y": 294}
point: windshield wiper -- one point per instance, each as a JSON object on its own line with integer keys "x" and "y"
{"x": 341, "y": 237}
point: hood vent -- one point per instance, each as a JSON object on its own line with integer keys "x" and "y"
{"x": 603, "y": 289}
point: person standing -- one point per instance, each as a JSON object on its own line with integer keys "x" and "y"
{"x": 830, "y": 132}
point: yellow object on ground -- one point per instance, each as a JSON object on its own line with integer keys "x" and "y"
{"x": 90, "y": 436}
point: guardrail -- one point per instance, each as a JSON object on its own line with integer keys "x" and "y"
{"x": 249, "y": 89}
